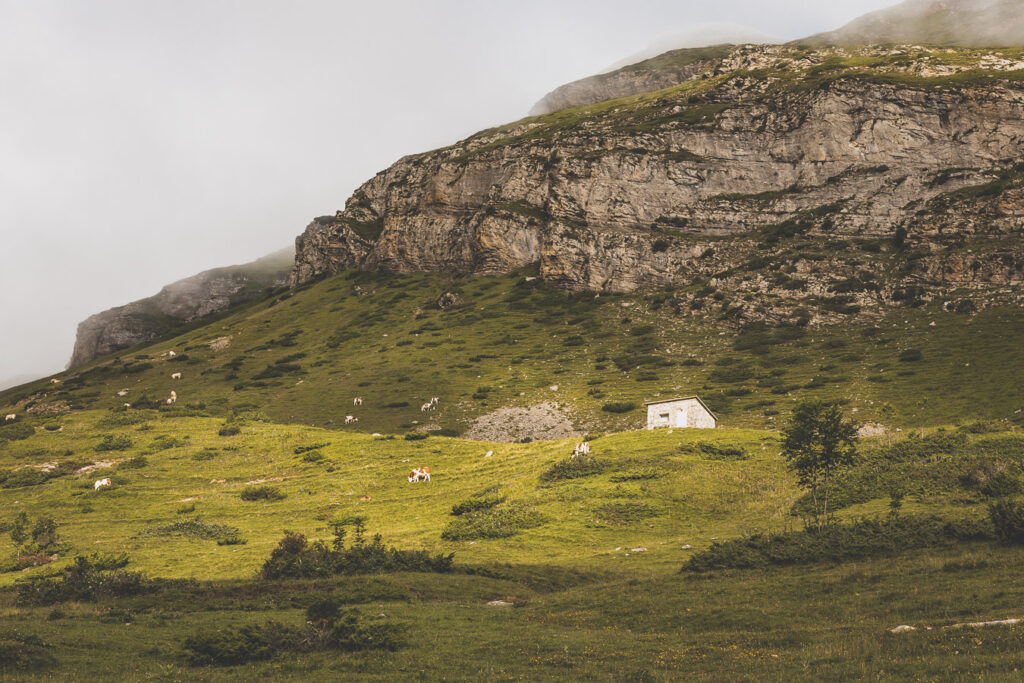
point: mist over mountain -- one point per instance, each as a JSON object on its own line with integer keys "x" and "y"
{"x": 699, "y": 35}
{"x": 965, "y": 23}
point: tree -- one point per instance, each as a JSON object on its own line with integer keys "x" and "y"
{"x": 816, "y": 443}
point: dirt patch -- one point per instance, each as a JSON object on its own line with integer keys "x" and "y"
{"x": 537, "y": 422}
{"x": 99, "y": 464}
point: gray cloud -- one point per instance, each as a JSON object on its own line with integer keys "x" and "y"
{"x": 142, "y": 142}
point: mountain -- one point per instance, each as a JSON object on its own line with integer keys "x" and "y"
{"x": 969, "y": 23}
{"x": 177, "y": 304}
{"x": 698, "y": 35}
{"x": 776, "y": 184}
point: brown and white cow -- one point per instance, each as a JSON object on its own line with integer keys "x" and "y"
{"x": 419, "y": 474}
{"x": 100, "y": 483}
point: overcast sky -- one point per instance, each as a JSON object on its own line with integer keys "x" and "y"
{"x": 142, "y": 141}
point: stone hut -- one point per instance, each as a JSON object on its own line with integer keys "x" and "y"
{"x": 680, "y": 413}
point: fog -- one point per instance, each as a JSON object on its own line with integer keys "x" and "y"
{"x": 143, "y": 142}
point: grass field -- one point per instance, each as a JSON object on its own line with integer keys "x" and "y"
{"x": 302, "y": 356}
{"x": 586, "y": 605}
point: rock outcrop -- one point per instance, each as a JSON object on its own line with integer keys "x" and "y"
{"x": 778, "y": 177}
{"x": 177, "y": 304}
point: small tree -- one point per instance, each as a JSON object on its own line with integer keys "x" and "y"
{"x": 816, "y": 443}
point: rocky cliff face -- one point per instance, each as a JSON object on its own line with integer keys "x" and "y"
{"x": 777, "y": 179}
{"x": 177, "y": 304}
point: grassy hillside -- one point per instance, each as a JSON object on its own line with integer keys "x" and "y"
{"x": 303, "y": 355}
{"x": 587, "y": 604}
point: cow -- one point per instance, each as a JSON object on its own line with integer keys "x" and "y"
{"x": 54, "y": 381}
{"x": 357, "y": 401}
{"x": 176, "y": 375}
{"x": 123, "y": 392}
{"x": 127, "y": 405}
{"x": 488, "y": 454}
{"x": 173, "y": 398}
{"x": 10, "y": 418}
{"x": 419, "y": 474}
{"x": 172, "y": 354}
{"x": 349, "y": 419}
{"x": 581, "y": 449}
{"x": 425, "y": 407}
{"x": 100, "y": 483}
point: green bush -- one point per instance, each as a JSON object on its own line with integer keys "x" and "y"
{"x": 499, "y": 521}
{"x": 16, "y": 431}
{"x": 621, "y": 513}
{"x": 838, "y": 543}
{"x": 263, "y": 492}
{"x": 477, "y": 503}
{"x": 113, "y": 442}
{"x": 23, "y": 653}
{"x": 416, "y": 436}
{"x": 192, "y": 528}
{"x": 121, "y": 418}
{"x": 910, "y": 356}
{"x": 84, "y": 581}
{"x": 299, "y": 450}
{"x": 1008, "y": 519}
{"x": 228, "y": 647}
{"x": 229, "y": 430}
{"x": 295, "y": 557}
{"x": 715, "y": 451}
{"x": 573, "y": 468}
{"x": 619, "y": 407}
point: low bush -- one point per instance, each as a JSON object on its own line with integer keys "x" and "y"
{"x": 477, "y": 503}
{"x": 715, "y": 451}
{"x": 85, "y": 580}
{"x": 416, "y": 436}
{"x": 166, "y": 442}
{"x": 1008, "y": 520}
{"x": 23, "y": 653}
{"x": 229, "y": 430}
{"x": 910, "y": 356}
{"x": 500, "y": 521}
{"x": 263, "y": 492}
{"x": 838, "y": 543}
{"x": 573, "y": 468}
{"x": 121, "y": 418}
{"x": 16, "y": 431}
{"x": 299, "y": 450}
{"x": 295, "y": 557}
{"x": 622, "y": 513}
{"x": 619, "y": 407}
{"x": 113, "y": 442}
{"x": 193, "y": 528}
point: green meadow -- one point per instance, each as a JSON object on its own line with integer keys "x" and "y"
{"x": 588, "y": 557}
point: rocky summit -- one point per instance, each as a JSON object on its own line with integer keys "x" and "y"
{"x": 772, "y": 182}
{"x": 176, "y": 304}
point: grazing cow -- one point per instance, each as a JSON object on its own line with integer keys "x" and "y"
{"x": 173, "y": 398}
{"x": 100, "y": 483}
{"x": 11, "y": 418}
{"x": 127, "y": 405}
{"x": 123, "y": 392}
{"x": 176, "y": 375}
{"x": 349, "y": 419}
{"x": 172, "y": 354}
{"x": 419, "y": 474}
{"x": 581, "y": 449}
{"x": 54, "y": 381}
{"x": 488, "y": 454}
{"x": 425, "y": 407}
{"x": 357, "y": 401}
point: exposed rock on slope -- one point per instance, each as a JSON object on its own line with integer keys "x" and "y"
{"x": 178, "y": 303}
{"x": 757, "y": 179}
{"x": 977, "y": 23}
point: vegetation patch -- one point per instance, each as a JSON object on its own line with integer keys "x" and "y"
{"x": 499, "y": 521}
{"x": 573, "y": 468}
{"x": 262, "y": 492}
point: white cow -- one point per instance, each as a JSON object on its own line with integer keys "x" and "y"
{"x": 419, "y": 474}
{"x": 357, "y": 401}
{"x": 488, "y": 454}
{"x": 581, "y": 449}
{"x": 173, "y": 398}
{"x": 176, "y": 375}
{"x": 10, "y": 418}
{"x": 100, "y": 483}
{"x": 127, "y": 405}
{"x": 172, "y": 354}
{"x": 349, "y": 419}
{"x": 123, "y": 392}
{"x": 54, "y": 381}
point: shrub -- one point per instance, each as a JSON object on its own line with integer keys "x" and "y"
{"x": 1008, "y": 520}
{"x": 477, "y": 503}
{"x": 85, "y": 580}
{"x": 16, "y": 431}
{"x": 619, "y": 407}
{"x": 715, "y": 451}
{"x": 113, "y": 442}
{"x": 263, "y": 492}
{"x": 295, "y": 557}
{"x": 229, "y": 430}
{"x": 573, "y": 468}
{"x": 397, "y": 404}
{"x": 312, "y": 456}
{"x": 500, "y": 521}
{"x": 192, "y": 528}
{"x": 621, "y": 513}
{"x": 228, "y": 647}
{"x": 416, "y": 436}
{"x": 838, "y": 542}
{"x": 299, "y": 450}
{"x": 166, "y": 442}
{"x": 910, "y": 356}
{"x": 135, "y": 463}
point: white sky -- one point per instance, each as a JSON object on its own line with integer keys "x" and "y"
{"x": 145, "y": 141}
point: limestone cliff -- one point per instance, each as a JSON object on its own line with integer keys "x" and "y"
{"x": 775, "y": 181}
{"x": 178, "y": 303}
